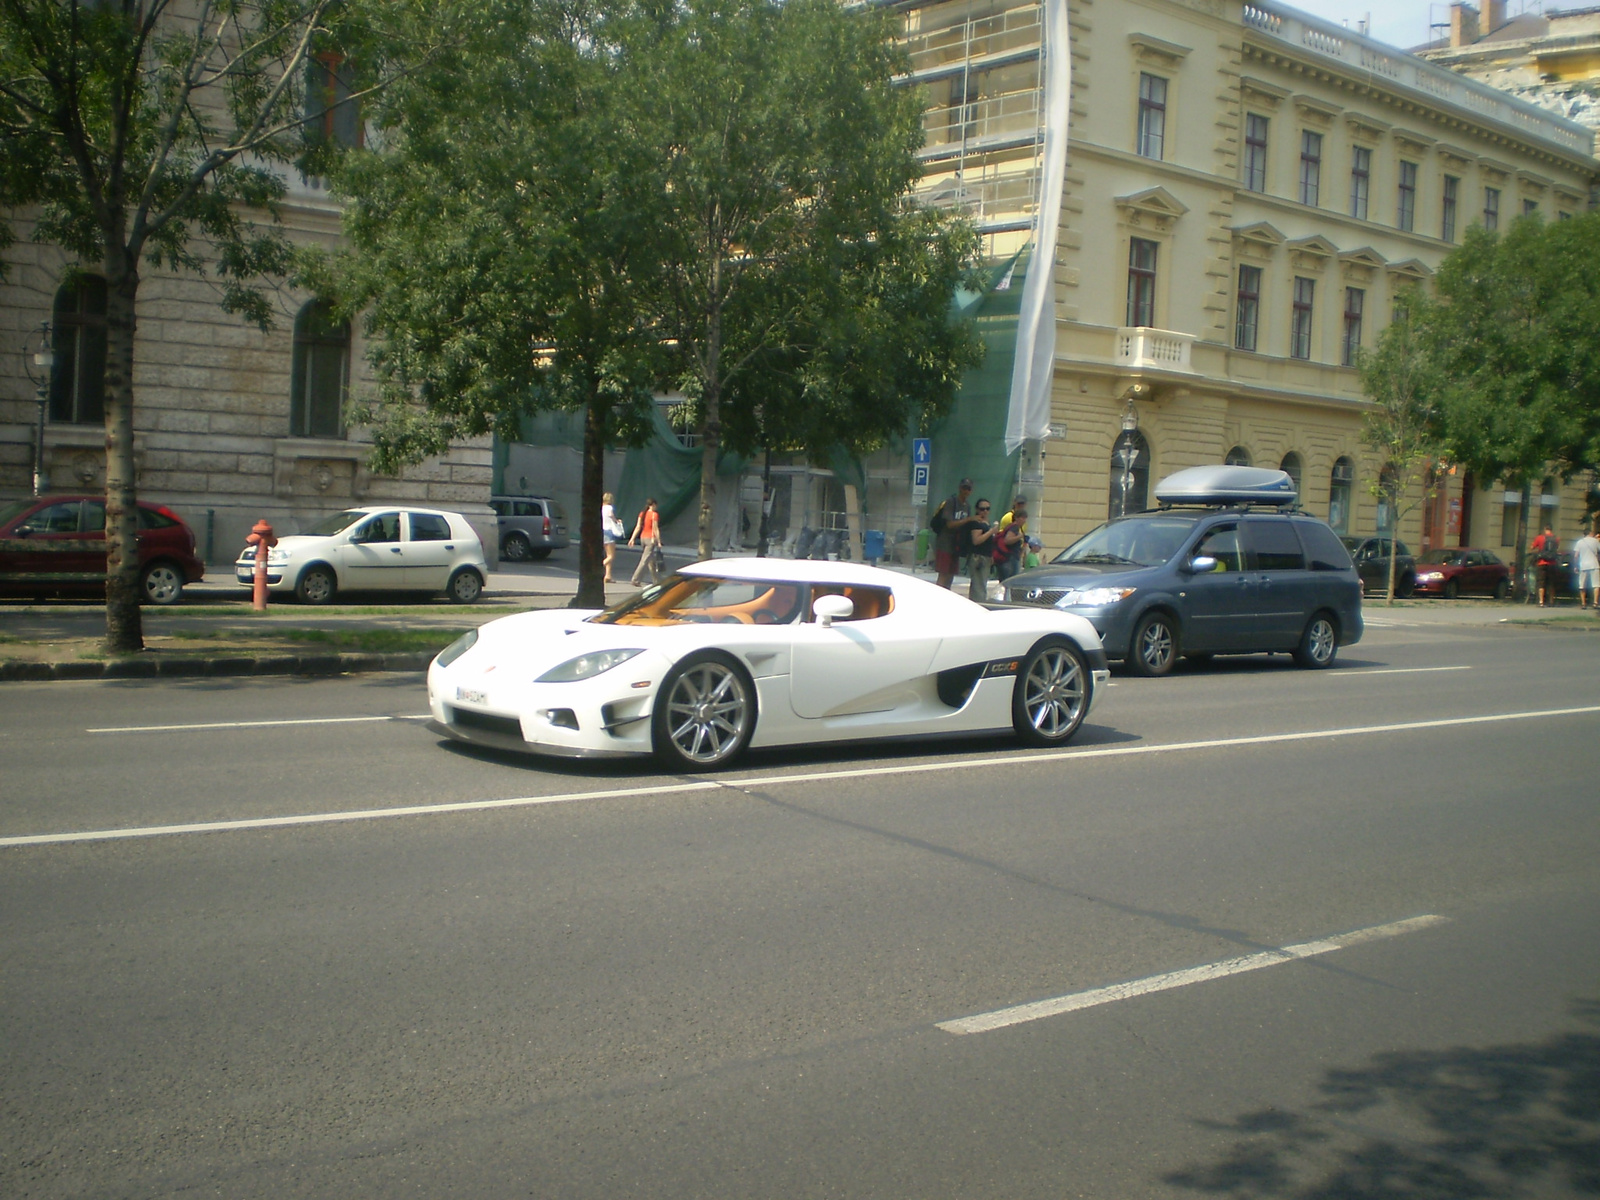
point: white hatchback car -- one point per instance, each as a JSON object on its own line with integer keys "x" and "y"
{"x": 375, "y": 549}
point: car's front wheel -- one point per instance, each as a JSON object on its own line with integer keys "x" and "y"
{"x": 1318, "y": 644}
{"x": 705, "y": 712}
{"x": 465, "y": 586}
{"x": 1502, "y": 590}
{"x": 1155, "y": 646}
{"x": 1051, "y": 695}
{"x": 1451, "y": 589}
{"x": 161, "y": 583}
{"x": 317, "y": 586}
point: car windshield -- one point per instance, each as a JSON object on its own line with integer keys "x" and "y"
{"x": 1443, "y": 558}
{"x": 1135, "y": 541}
{"x": 680, "y": 599}
{"x": 335, "y": 524}
{"x": 13, "y": 509}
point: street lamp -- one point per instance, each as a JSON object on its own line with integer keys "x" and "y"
{"x": 45, "y": 360}
{"x": 1127, "y": 451}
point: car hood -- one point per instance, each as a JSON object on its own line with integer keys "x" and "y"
{"x": 1083, "y": 575}
{"x": 533, "y": 642}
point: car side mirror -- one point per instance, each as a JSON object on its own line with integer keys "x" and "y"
{"x": 23, "y": 531}
{"x": 1201, "y": 564}
{"x": 829, "y": 609}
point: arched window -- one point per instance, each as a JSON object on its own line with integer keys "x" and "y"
{"x": 1238, "y": 457}
{"x": 1388, "y": 497}
{"x": 1290, "y": 466}
{"x": 1130, "y": 474}
{"x": 321, "y": 373}
{"x": 78, "y": 380}
{"x": 1339, "y": 488}
{"x": 1549, "y": 505}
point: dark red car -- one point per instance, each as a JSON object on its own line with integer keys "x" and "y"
{"x": 55, "y": 544}
{"x": 1461, "y": 571}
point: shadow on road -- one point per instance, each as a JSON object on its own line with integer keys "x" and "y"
{"x": 1502, "y": 1121}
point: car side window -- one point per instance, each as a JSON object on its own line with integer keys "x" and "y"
{"x": 526, "y": 508}
{"x": 1324, "y": 550}
{"x": 429, "y": 527}
{"x": 501, "y": 508}
{"x": 1276, "y": 546}
{"x": 1222, "y": 544}
{"x": 385, "y": 527}
{"x": 94, "y": 516}
{"x": 870, "y": 602}
{"x": 55, "y": 518}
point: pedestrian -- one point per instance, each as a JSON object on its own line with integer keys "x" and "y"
{"x": 1033, "y": 555}
{"x": 647, "y": 532}
{"x": 1586, "y": 561}
{"x": 948, "y": 522}
{"x": 1545, "y": 548}
{"x": 1011, "y": 538}
{"x": 980, "y": 551}
{"x": 611, "y": 530}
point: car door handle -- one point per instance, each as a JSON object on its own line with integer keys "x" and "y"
{"x": 394, "y": 549}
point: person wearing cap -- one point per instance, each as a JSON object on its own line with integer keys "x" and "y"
{"x": 949, "y": 523}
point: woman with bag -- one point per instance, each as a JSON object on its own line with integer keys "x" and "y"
{"x": 611, "y": 531}
{"x": 647, "y": 532}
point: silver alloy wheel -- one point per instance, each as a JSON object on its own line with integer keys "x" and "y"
{"x": 1319, "y": 643}
{"x": 708, "y": 712}
{"x": 163, "y": 583}
{"x": 1053, "y": 693}
{"x": 1155, "y": 647}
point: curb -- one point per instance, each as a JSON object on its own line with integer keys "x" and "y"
{"x": 274, "y": 664}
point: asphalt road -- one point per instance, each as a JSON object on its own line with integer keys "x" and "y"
{"x": 623, "y": 984}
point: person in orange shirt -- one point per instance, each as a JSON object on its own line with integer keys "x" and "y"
{"x": 647, "y": 532}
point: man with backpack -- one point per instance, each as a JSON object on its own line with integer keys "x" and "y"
{"x": 1545, "y": 548}
{"x": 950, "y": 532}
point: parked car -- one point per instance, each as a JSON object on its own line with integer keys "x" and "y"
{"x": 1462, "y": 571}
{"x": 375, "y": 549}
{"x": 1563, "y": 576}
{"x": 1371, "y": 557}
{"x": 530, "y": 526}
{"x": 57, "y": 544}
{"x": 744, "y": 652}
{"x": 1224, "y": 566}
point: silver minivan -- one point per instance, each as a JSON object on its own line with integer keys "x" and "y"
{"x": 530, "y": 526}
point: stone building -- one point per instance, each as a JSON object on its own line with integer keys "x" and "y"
{"x": 1248, "y": 194}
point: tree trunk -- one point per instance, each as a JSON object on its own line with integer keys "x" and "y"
{"x": 1520, "y": 551}
{"x": 124, "y": 628}
{"x": 591, "y": 552}
{"x": 710, "y": 435}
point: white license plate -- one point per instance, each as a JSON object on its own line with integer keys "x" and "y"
{"x": 471, "y": 696}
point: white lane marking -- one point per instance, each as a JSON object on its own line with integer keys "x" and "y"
{"x": 1018, "y": 1014}
{"x": 249, "y": 724}
{"x": 986, "y": 762}
{"x": 1359, "y": 672}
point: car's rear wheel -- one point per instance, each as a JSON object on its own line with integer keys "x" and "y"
{"x": 1155, "y": 646}
{"x": 1405, "y": 586}
{"x": 1502, "y": 589}
{"x": 465, "y": 586}
{"x": 517, "y": 548}
{"x": 705, "y": 712}
{"x": 1319, "y": 643}
{"x": 317, "y": 586}
{"x": 1051, "y": 694}
{"x": 161, "y": 583}
{"x": 1451, "y": 589}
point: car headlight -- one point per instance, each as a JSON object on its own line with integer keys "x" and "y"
{"x": 457, "y": 648}
{"x": 1431, "y": 576}
{"x": 587, "y": 666}
{"x": 278, "y": 556}
{"x": 1094, "y": 597}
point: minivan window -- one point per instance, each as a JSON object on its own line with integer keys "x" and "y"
{"x": 1221, "y": 542}
{"x": 1276, "y": 547}
{"x": 1324, "y": 550}
{"x": 1141, "y": 541}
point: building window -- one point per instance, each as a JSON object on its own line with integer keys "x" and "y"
{"x": 1237, "y": 457}
{"x": 1388, "y": 500}
{"x": 1406, "y": 212}
{"x": 1141, "y": 282}
{"x": 1130, "y": 474}
{"x": 1310, "y": 167}
{"x": 320, "y": 373}
{"x": 1508, "y": 518}
{"x": 1563, "y": 216}
{"x": 1529, "y": 207}
{"x": 1360, "y": 181}
{"x": 1491, "y": 208}
{"x": 1355, "y": 301}
{"x": 1290, "y": 466}
{"x": 1305, "y": 291}
{"x": 1152, "y": 115}
{"x": 1255, "y": 153}
{"x": 78, "y": 379}
{"x": 1447, "y": 217}
{"x": 1248, "y": 323}
{"x": 1340, "y": 486}
{"x": 331, "y": 116}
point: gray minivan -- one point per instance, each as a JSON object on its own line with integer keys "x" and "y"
{"x": 1225, "y": 565}
{"x": 530, "y": 526}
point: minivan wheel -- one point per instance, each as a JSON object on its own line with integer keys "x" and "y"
{"x": 1155, "y": 646}
{"x": 162, "y": 583}
{"x": 517, "y": 547}
{"x": 1318, "y": 644}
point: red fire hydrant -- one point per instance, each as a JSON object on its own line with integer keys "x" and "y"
{"x": 263, "y": 539}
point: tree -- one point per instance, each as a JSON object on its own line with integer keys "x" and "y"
{"x": 148, "y": 134}
{"x": 1514, "y": 345}
{"x": 1403, "y": 424}
{"x": 797, "y": 277}
{"x": 495, "y": 244}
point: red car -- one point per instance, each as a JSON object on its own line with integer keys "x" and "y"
{"x": 53, "y": 544}
{"x": 1459, "y": 571}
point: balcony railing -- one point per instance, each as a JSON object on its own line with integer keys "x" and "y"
{"x": 1142, "y": 348}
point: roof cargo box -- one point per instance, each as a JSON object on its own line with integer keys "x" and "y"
{"x": 1224, "y": 485}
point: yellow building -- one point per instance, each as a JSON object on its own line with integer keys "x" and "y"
{"x": 1246, "y": 194}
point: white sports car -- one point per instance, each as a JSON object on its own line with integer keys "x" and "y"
{"x": 743, "y": 652}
